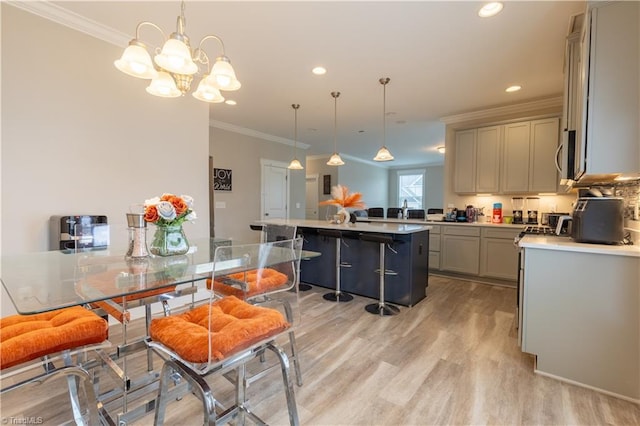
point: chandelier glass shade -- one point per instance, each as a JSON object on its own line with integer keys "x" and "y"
{"x": 335, "y": 159}
{"x": 383, "y": 153}
{"x": 174, "y": 66}
{"x": 295, "y": 164}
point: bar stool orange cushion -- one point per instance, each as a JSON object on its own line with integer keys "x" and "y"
{"x": 258, "y": 281}
{"x": 235, "y": 325}
{"x": 27, "y": 337}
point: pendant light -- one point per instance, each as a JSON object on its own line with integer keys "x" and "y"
{"x": 335, "y": 159}
{"x": 295, "y": 164}
{"x": 383, "y": 153}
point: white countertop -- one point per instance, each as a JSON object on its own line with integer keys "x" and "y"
{"x": 567, "y": 244}
{"x": 439, "y": 222}
{"x": 390, "y": 228}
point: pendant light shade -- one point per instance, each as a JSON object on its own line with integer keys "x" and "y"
{"x": 178, "y": 62}
{"x": 335, "y": 159}
{"x": 383, "y": 153}
{"x": 295, "y": 164}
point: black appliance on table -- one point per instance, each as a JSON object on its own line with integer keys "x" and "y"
{"x": 79, "y": 232}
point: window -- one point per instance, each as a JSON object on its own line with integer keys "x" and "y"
{"x": 411, "y": 188}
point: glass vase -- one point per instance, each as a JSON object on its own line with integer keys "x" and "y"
{"x": 169, "y": 240}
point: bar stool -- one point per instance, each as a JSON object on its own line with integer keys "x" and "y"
{"x": 381, "y": 308}
{"x": 337, "y": 295}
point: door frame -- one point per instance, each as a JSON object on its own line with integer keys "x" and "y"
{"x": 273, "y": 163}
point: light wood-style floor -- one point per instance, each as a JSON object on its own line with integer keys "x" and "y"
{"x": 451, "y": 360}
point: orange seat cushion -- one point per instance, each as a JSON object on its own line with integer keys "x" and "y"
{"x": 258, "y": 281}
{"x": 235, "y": 325}
{"x": 27, "y": 337}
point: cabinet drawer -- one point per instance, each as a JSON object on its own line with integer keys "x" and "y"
{"x": 435, "y": 229}
{"x": 434, "y": 260}
{"x": 466, "y": 231}
{"x": 507, "y": 234}
{"x": 434, "y": 242}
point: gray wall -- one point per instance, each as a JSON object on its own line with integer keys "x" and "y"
{"x": 433, "y": 188}
{"x": 370, "y": 180}
{"x": 242, "y": 154}
{"x": 80, "y": 137}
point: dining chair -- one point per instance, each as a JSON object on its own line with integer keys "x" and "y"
{"x": 31, "y": 342}
{"x": 392, "y": 212}
{"x": 224, "y": 335}
{"x": 375, "y": 212}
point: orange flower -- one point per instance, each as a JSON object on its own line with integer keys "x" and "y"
{"x": 179, "y": 205}
{"x": 151, "y": 214}
{"x": 167, "y": 197}
{"x": 342, "y": 198}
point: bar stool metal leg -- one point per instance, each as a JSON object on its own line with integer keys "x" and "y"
{"x": 381, "y": 308}
{"x": 337, "y": 295}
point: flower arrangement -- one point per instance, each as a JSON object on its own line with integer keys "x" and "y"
{"x": 169, "y": 210}
{"x": 342, "y": 199}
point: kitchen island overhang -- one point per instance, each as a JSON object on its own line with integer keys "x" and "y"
{"x": 407, "y": 260}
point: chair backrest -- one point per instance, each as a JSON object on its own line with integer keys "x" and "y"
{"x": 376, "y": 212}
{"x": 268, "y": 272}
{"x": 276, "y": 232}
{"x": 360, "y": 213}
{"x": 392, "y": 212}
{"x": 415, "y": 214}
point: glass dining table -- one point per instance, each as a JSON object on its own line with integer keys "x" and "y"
{"x": 45, "y": 281}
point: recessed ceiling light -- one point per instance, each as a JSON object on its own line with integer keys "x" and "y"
{"x": 319, "y": 70}
{"x": 511, "y": 89}
{"x": 230, "y": 102}
{"x": 490, "y": 9}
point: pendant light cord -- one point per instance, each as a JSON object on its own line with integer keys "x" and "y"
{"x": 335, "y": 120}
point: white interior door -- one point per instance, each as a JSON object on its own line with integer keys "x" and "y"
{"x": 275, "y": 190}
{"x": 311, "y": 211}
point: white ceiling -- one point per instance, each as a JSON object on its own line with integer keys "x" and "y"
{"x": 441, "y": 57}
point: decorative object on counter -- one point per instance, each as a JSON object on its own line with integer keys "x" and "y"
{"x": 508, "y": 220}
{"x": 177, "y": 65}
{"x": 405, "y": 209}
{"x": 343, "y": 200}
{"x": 471, "y": 214}
{"x": 497, "y": 213}
{"x": 137, "y": 237}
{"x": 168, "y": 213}
{"x": 295, "y": 163}
{"x": 335, "y": 159}
{"x": 383, "y": 153}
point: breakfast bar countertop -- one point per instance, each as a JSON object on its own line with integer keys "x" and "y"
{"x": 381, "y": 227}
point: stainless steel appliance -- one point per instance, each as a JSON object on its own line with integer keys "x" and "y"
{"x": 78, "y": 232}
{"x": 517, "y": 204}
{"x": 598, "y": 220}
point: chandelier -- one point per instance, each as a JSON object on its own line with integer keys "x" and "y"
{"x": 176, "y": 64}
{"x": 383, "y": 153}
{"x": 335, "y": 159}
{"x": 295, "y": 163}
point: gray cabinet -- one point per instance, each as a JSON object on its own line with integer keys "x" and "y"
{"x": 529, "y": 156}
{"x": 498, "y": 254}
{"x": 581, "y": 318}
{"x": 434, "y": 247}
{"x": 488, "y": 151}
{"x": 460, "y": 249}
{"x": 609, "y": 136}
{"x": 465, "y": 161}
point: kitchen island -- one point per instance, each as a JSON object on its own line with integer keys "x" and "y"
{"x": 580, "y": 313}
{"x": 408, "y": 256}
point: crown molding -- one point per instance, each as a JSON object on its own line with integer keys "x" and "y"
{"x": 62, "y": 16}
{"x": 255, "y": 134}
{"x": 489, "y": 113}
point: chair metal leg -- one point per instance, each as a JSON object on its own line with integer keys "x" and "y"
{"x": 288, "y": 384}
{"x": 294, "y": 347}
{"x": 197, "y": 383}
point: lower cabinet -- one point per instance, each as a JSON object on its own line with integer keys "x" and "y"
{"x": 498, "y": 254}
{"x": 434, "y": 247}
{"x": 460, "y": 249}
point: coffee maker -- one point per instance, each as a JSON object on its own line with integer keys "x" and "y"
{"x": 533, "y": 204}
{"x": 517, "y": 204}
{"x": 70, "y": 233}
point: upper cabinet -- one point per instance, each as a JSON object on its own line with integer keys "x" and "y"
{"x": 512, "y": 158}
{"x": 607, "y": 109}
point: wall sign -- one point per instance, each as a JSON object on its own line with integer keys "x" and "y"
{"x": 222, "y": 179}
